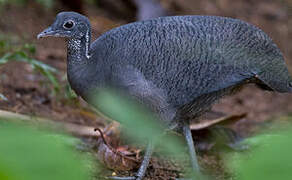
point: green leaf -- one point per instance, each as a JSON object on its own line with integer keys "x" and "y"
{"x": 51, "y": 77}
{"x": 3, "y": 44}
{"x": 69, "y": 93}
{"x": 4, "y": 59}
{"x": 43, "y": 68}
{"x": 43, "y": 65}
{"x": 20, "y": 56}
{"x": 140, "y": 123}
{"x": 30, "y": 48}
{"x": 269, "y": 157}
{"x": 29, "y": 154}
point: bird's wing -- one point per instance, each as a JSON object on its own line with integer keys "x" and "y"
{"x": 228, "y": 82}
{"x": 132, "y": 82}
{"x": 190, "y": 82}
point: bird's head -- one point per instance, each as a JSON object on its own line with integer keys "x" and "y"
{"x": 69, "y": 25}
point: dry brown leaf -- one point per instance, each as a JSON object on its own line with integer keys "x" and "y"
{"x": 112, "y": 158}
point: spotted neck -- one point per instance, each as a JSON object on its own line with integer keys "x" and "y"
{"x": 78, "y": 61}
{"x": 78, "y": 50}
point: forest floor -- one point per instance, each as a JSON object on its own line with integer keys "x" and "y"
{"x": 28, "y": 92}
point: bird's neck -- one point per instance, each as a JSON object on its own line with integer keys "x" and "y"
{"x": 78, "y": 50}
{"x": 79, "y": 62}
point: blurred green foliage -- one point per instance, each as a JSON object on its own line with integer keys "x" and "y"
{"x": 141, "y": 125}
{"x": 269, "y": 157}
{"x": 69, "y": 94}
{"x": 27, "y": 153}
{"x": 23, "y": 53}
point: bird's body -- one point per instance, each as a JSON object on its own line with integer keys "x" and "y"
{"x": 178, "y": 60}
{"x": 178, "y": 66}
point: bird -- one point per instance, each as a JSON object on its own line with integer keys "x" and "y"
{"x": 178, "y": 65}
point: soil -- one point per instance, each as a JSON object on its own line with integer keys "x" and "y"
{"x": 30, "y": 93}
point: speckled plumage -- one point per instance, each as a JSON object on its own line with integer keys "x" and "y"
{"x": 178, "y": 66}
{"x": 181, "y": 59}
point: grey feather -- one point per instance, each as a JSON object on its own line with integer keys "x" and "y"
{"x": 185, "y": 62}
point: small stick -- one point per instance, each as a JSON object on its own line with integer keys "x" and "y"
{"x": 113, "y": 158}
{"x": 223, "y": 120}
{"x": 101, "y": 135}
{"x": 71, "y": 128}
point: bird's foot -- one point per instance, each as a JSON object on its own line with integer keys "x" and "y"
{"x": 124, "y": 178}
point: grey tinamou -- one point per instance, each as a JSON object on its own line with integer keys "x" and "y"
{"x": 179, "y": 66}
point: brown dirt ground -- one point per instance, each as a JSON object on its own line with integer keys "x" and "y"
{"x": 28, "y": 94}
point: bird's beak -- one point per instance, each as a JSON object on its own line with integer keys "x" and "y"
{"x": 47, "y": 32}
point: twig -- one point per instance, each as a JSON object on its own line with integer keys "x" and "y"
{"x": 88, "y": 131}
{"x": 101, "y": 135}
{"x": 71, "y": 128}
{"x": 113, "y": 158}
{"x": 223, "y": 120}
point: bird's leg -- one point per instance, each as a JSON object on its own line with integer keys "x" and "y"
{"x": 142, "y": 170}
{"x": 143, "y": 167}
{"x": 194, "y": 161}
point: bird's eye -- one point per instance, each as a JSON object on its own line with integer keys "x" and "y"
{"x": 69, "y": 24}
